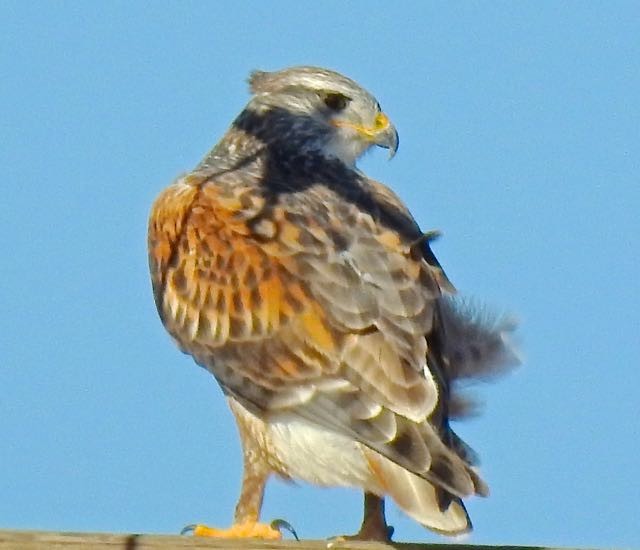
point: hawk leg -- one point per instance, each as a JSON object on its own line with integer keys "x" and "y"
{"x": 254, "y": 478}
{"x": 374, "y": 525}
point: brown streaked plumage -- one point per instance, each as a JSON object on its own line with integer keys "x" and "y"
{"x": 312, "y": 296}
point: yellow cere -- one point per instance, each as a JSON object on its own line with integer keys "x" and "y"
{"x": 380, "y": 123}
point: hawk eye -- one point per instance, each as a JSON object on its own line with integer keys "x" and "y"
{"x": 335, "y": 101}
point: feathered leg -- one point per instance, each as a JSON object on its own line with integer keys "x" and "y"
{"x": 254, "y": 479}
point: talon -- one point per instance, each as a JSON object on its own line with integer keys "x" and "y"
{"x": 280, "y": 524}
{"x": 188, "y": 529}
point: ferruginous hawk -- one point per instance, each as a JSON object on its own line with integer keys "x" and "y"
{"x": 314, "y": 299}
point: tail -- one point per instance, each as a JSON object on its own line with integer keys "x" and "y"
{"x": 471, "y": 345}
{"x": 429, "y": 505}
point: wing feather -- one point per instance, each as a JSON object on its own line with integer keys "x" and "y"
{"x": 307, "y": 305}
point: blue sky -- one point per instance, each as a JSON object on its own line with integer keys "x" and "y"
{"x": 520, "y": 140}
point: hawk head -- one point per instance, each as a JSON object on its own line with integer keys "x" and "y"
{"x": 314, "y": 110}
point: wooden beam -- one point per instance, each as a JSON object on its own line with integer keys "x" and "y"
{"x": 41, "y": 540}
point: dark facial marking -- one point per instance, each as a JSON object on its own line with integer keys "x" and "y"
{"x": 335, "y": 101}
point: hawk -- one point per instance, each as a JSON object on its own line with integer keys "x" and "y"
{"x": 313, "y": 297}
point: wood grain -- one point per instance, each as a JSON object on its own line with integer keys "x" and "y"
{"x": 41, "y": 540}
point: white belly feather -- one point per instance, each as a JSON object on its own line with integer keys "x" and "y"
{"x": 298, "y": 449}
{"x": 315, "y": 455}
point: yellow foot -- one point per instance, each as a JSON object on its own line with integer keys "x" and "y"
{"x": 248, "y": 530}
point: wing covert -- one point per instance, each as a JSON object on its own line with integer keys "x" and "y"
{"x": 308, "y": 306}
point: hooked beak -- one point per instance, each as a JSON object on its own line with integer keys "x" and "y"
{"x": 382, "y": 133}
{"x": 385, "y": 134}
